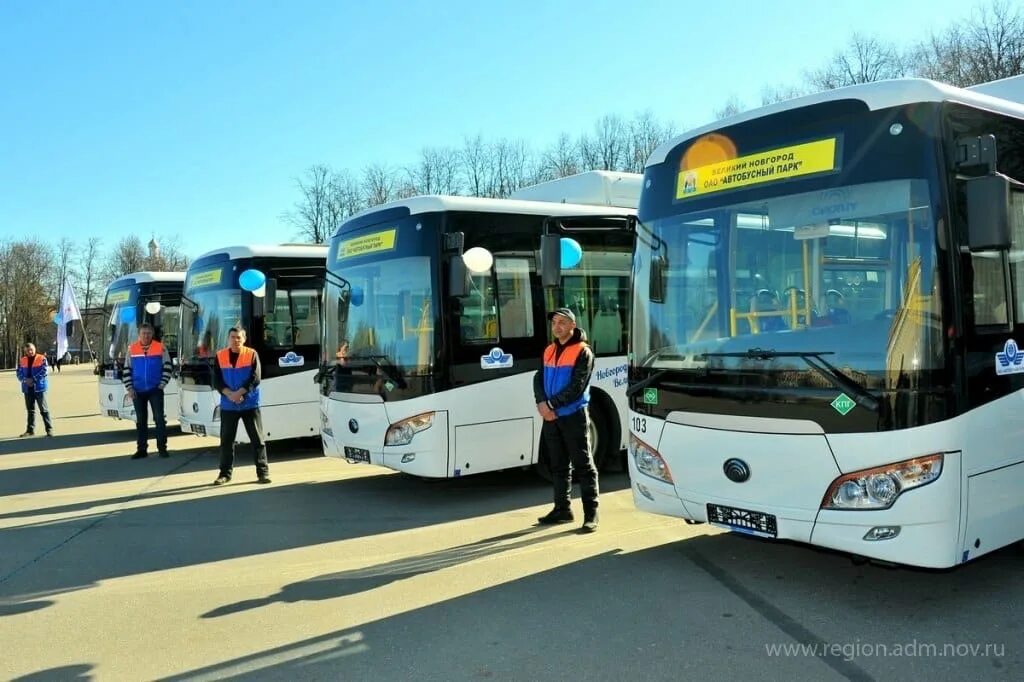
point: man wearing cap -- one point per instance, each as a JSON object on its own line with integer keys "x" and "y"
{"x": 561, "y": 390}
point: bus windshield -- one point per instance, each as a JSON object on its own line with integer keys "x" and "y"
{"x": 848, "y": 271}
{"x": 120, "y": 326}
{"x": 386, "y": 312}
{"x": 216, "y": 307}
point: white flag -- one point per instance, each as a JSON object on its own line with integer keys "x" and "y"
{"x": 68, "y": 311}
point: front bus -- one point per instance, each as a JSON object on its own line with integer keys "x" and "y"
{"x": 153, "y": 297}
{"x": 825, "y": 323}
{"x": 435, "y": 327}
{"x": 274, "y": 293}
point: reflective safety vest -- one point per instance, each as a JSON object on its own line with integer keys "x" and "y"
{"x": 36, "y": 371}
{"x": 147, "y": 366}
{"x": 558, "y": 375}
{"x": 236, "y": 377}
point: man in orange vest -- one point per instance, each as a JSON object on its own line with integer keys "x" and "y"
{"x": 32, "y": 375}
{"x": 237, "y": 379}
{"x": 561, "y": 389}
{"x": 145, "y": 375}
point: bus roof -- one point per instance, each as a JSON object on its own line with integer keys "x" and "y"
{"x": 270, "y": 250}
{"x": 439, "y": 203}
{"x": 878, "y": 95}
{"x": 593, "y": 188}
{"x": 143, "y": 277}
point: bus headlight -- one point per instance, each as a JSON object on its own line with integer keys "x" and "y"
{"x": 401, "y": 433}
{"x": 878, "y": 488}
{"x": 648, "y": 461}
{"x": 126, "y": 401}
{"x": 216, "y": 414}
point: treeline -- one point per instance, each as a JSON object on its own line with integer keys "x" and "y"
{"x": 986, "y": 46}
{"x": 31, "y": 273}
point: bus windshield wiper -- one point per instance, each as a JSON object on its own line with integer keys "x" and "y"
{"x": 384, "y": 364}
{"x": 815, "y": 361}
{"x": 633, "y": 389}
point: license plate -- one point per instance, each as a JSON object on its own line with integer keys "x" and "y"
{"x": 111, "y": 413}
{"x": 743, "y": 520}
{"x": 199, "y": 429}
{"x": 357, "y": 454}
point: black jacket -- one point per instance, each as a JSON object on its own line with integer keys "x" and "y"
{"x": 581, "y": 372}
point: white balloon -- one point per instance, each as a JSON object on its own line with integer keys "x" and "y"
{"x": 261, "y": 292}
{"x": 478, "y": 260}
{"x": 153, "y": 307}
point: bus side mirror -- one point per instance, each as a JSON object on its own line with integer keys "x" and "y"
{"x": 658, "y": 282}
{"x": 458, "y": 274}
{"x": 988, "y": 213}
{"x": 550, "y": 260}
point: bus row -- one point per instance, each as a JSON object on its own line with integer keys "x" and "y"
{"x": 805, "y": 319}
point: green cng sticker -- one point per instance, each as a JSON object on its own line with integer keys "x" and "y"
{"x": 650, "y": 396}
{"x": 843, "y": 404}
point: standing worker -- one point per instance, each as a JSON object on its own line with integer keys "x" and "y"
{"x": 237, "y": 379}
{"x": 145, "y": 375}
{"x": 32, "y": 375}
{"x": 561, "y": 390}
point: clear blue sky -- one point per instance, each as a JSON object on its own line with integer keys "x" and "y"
{"x": 193, "y": 118}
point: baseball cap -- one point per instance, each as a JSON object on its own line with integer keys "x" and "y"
{"x": 564, "y": 312}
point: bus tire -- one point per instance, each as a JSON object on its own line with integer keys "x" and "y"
{"x": 605, "y": 432}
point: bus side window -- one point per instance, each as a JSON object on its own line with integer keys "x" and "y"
{"x": 515, "y": 314}
{"x": 477, "y": 318}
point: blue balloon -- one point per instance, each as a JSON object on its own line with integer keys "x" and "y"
{"x": 357, "y": 296}
{"x": 251, "y": 280}
{"x": 128, "y": 314}
{"x": 572, "y": 252}
{"x": 57, "y": 319}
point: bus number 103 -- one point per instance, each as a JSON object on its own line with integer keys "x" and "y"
{"x": 639, "y": 425}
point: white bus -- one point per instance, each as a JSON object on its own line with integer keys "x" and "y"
{"x": 828, "y": 305}
{"x": 437, "y": 308}
{"x": 153, "y": 297}
{"x": 274, "y": 292}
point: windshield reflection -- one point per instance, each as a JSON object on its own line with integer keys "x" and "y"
{"x": 851, "y": 271}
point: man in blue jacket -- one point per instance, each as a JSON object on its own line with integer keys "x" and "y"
{"x": 561, "y": 390}
{"x": 145, "y": 375}
{"x": 32, "y": 375}
{"x": 237, "y": 379}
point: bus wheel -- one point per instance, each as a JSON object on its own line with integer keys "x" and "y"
{"x": 602, "y": 440}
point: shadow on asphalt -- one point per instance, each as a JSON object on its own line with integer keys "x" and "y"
{"x": 652, "y": 609}
{"x": 256, "y": 520}
{"x": 40, "y": 443}
{"x": 64, "y": 673}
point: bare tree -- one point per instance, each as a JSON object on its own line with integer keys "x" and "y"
{"x": 988, "y": 47}
{"x": 88, "y": 291}
{"x": 560, "y": 160}
{"x": 611, "y": 139}
{"x": 128, "y": 255}
{"x": 770, "y": 94}
{"x": 732, "y": 106}
{"x": 379, "y": 184}
{"x": 866, "y": 59}
{"x": 512, "y": 167}
{"x": 477, "y": 166}
{"x": 25, "y": 304}
{"x": 646, "y": 133}
{"x": 315, "y": 213}
{"x": 166, "y": 255}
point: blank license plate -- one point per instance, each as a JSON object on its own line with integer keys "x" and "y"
{"x": 199, "y": 429}
{"x": 743, "y": 520}
{"x": 357, "y": 454}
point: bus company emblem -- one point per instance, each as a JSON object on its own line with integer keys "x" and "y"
{"x": 496, "y": 359}
{"x": 736, "y": 470}
{"x": 195, "y": 408}
{"x": 1011, "y": 360}
{"x": 291, "y": 359}
{"x": 353, "y": 426}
